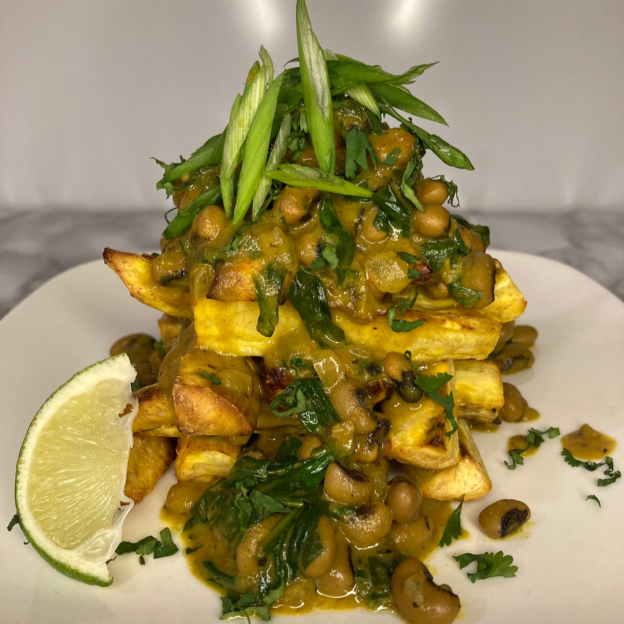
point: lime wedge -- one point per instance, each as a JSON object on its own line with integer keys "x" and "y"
{"x": 71, "y": 471}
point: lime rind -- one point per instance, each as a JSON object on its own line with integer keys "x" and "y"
{"x": 88, "y": 561}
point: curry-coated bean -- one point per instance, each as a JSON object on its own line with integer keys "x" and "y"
{"x": 324, "y": 561}
{"x": 294, "y": 203}
{"x": 408, "y": 538}
{"x": 404, "y": 499}
{"x": 524, "y": 335}
{"x": 514, "y": 406}
{"x": 367, "y": 226}
{"x": 480, "y": 274}
{"x": 169, "y": 266}
{"x": 437, "y": 290}
{"x": 352, "y": 405}
{"x": 505, "y": 336}
{"x": 308, "y": 445}
{"x": 431, "y": 191}
{"x": 248, "y": 551}
{"x": 471, "y": 239}
{"x": 347, "y": 486}
{"x": 418, "y": 598}
{"x": 368, "y": 526}
{"x": 210, "y": 222}
{"x": 434, "y": 222}
{"x": 338, "y": 581}
{"x": 183, "y": 495}
{"x": 514, "y": 358}
{"x": 308, "y": 248}
{"x": 395, "y": 364}
{"x": 503, "y": 517}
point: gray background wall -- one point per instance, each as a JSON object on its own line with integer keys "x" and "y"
{"x": 89, "y": 91}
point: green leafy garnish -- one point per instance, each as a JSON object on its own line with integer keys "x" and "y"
{"x": 398, "y": 325}
{"x": 149, "y": 545}
{"x": 299, "y": 363}
{"x": 482, "y": 231}
{"x": 316, "y": 91}
{"x": 430, "y": 385}
{"x": 336, "y": 235}
{"x": 268, "y": 293}
{"x": 308, "y": 297}
{"x": 307, "y": 399}
{"x": 408, "y": 180}
{"x": 392, "y": 212}
{"x": 184, "y": 219}
{"x": 212, "y": 376}
{"x": 453, "y": 528}
{"x": 248, "y": 605}
{"x": 436, "y": 252}
{"x": 489, "y": 565}
{"x": 357, "y": 148}
{"x": 402, "y": 99}
{"x": 208, "y": 155}
{"x": 467, "y": 297}
{"x": 14, "y": 521}
{"x": 303, "y": 176}
{"x": 451, "y": 189}
{"x": 594, "y": 498}
{"x": 534, "y": 439}
{"x": 391, "y": 158}
{"x": 609, "y": 472}
{"x": 158, "y": 346}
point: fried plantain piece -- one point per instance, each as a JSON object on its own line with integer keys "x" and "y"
{"x": 148, "y": 461}
{"x": 468, "y": 476}
{"x": 478, "y": 390}
{"x": 156, "y": 415}
{"x": 215, "y": 394}
{"x": 205, "y": 458}
{"x": 135, "y": 271}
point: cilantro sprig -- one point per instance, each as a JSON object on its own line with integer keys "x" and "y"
{"x": 357, "y": 148}
{"x": 610, "y": 472}
{"x": 534, "y": 439}
{"x": 489, "y": 565}
{"x": 453, "y": 528}
{"x": 150, "y": 545}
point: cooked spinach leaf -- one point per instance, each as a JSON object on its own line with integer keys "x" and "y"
{"x": 268, "y": 293}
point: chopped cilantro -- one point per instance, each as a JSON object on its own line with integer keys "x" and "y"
{"x": 453, "y": 528}
{"x": 158, "y": 346}
{"x": 534, "y": 439}
{"x": 391, "y": 158}
{"x": 215, "y": 380}
{"x": 14, "y": 521}
{"x": 299, "y": 363}
{"x": 489, "y": 565}
{"x": 357, "y": 147}
{"x": 430, "y": 384}
{"x": 609, "y": 472}
{"x": 594, "y": 498}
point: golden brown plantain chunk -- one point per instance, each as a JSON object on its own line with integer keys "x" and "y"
{"x": 234, "y": 280}
{"x": 478, "y": 390}
{"x": 215, "y": 395}
{"x": 156, "y": 415}
{"x": 205, "y": 458}
{"x": 508, "y": 304}
{"x": 135, "y": 271}
{"x": 170, "y": 328}
{"x": 230, "y": 327}
{"x": 149, "y": 460}
{"x": 468, "y": 476}
{"x": 418, "y": 430}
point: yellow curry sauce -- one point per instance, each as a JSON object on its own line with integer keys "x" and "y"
{"x": 588, "y": 444}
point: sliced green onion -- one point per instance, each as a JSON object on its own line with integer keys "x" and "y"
{"x": 228, "y": 149}
{"x": 209, "y": 154}
{"x": 267, "y": 63}
{"x": 403, "y": 100}
{"x": 357, "y": 73}
{"x": 316, "y": 91}
{"x": 444, "y": 151}
{"x": 241, "y": 118}
{"x": 302, "y": 176}
{"x": 406, "y": 188}
{"x": 256, "y": 150}
{"x": 360, "y": 93}
{"x": 277, "y": 154}
{"x": 184, "y": 219}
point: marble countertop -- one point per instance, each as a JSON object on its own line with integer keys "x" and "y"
{"x": 35, "y": 246}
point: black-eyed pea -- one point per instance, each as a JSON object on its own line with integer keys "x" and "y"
{"x": 503, "y": 518}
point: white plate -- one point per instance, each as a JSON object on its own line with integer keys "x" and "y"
{"x": 570, "y": 558}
